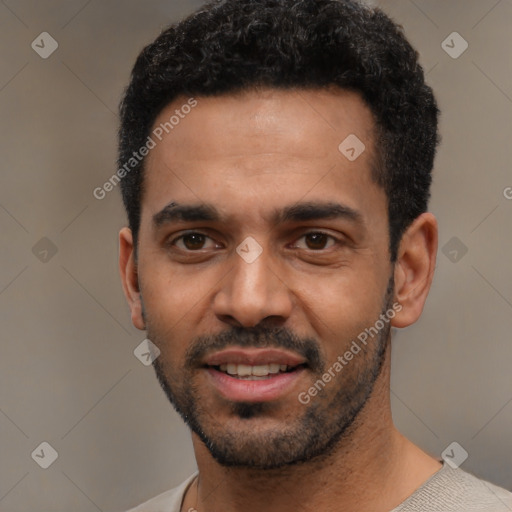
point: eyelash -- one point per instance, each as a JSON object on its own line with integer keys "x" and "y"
{"x": 174, "y": 240}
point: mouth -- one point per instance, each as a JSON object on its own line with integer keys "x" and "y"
{"x": 255, "y": 372}
{"x": 254, "y": 375}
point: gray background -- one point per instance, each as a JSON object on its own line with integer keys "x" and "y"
{"x": 68, "y": 375}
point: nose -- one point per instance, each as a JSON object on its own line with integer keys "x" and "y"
{"x": 253, "y": 292}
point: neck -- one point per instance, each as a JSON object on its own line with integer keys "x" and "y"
{"x": 373, "y": 468}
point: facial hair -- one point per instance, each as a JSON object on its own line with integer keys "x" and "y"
{"x": 313, "y": 433}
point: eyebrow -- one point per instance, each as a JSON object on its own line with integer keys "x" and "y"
{"x": 304, "y": 211}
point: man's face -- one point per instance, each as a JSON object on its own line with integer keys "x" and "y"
{"x": 268, "y": 273}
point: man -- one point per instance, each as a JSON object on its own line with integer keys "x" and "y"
{"x": 277, "y": 160}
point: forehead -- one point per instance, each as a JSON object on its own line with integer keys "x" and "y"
{"x": 283, "y": 143}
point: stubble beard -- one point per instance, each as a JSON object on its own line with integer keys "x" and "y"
{"x": 320, "y": 425}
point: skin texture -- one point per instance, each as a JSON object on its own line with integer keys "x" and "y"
{"x": 249, "y": 154}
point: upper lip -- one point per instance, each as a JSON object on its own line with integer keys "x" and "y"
{"x": 253, "y": 357}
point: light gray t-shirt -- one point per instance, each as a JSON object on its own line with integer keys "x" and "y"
{"x": 448, "y": 490}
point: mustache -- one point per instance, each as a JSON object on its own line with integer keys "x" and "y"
{"x": 256, "y": 337}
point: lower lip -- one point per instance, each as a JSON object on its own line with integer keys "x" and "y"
{"x": 265, "y": 390}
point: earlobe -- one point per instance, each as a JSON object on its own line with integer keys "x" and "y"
{"x": 129, "y": 277}
{"x": 414, "y": 268}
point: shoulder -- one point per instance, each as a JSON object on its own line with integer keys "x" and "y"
{"x": 456, "y": 490}
{"x": 168, "y": 501}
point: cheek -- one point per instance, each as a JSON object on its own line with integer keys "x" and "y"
{"x": 176, "y": 304}
{"x": 339, "y": 309}
{"x": 165, "y": 300}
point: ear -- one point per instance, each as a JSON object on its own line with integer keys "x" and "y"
{"x": 414, "y": 268}
{"x": 129, "y": 277}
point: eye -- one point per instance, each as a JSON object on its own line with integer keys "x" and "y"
{"x": 316, "y": 240}
{"x": 192, "y": 241}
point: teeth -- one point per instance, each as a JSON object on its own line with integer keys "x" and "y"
{"x": 260, "y": 370}
{"x": 245, "y": 370}
{"x": 273, "y": 368}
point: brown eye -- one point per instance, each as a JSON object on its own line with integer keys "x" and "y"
{"x": 317, "y": 240}
{"x": 191, "y": 241}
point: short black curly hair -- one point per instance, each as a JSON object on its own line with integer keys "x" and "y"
{"x": 231, "y": 45}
